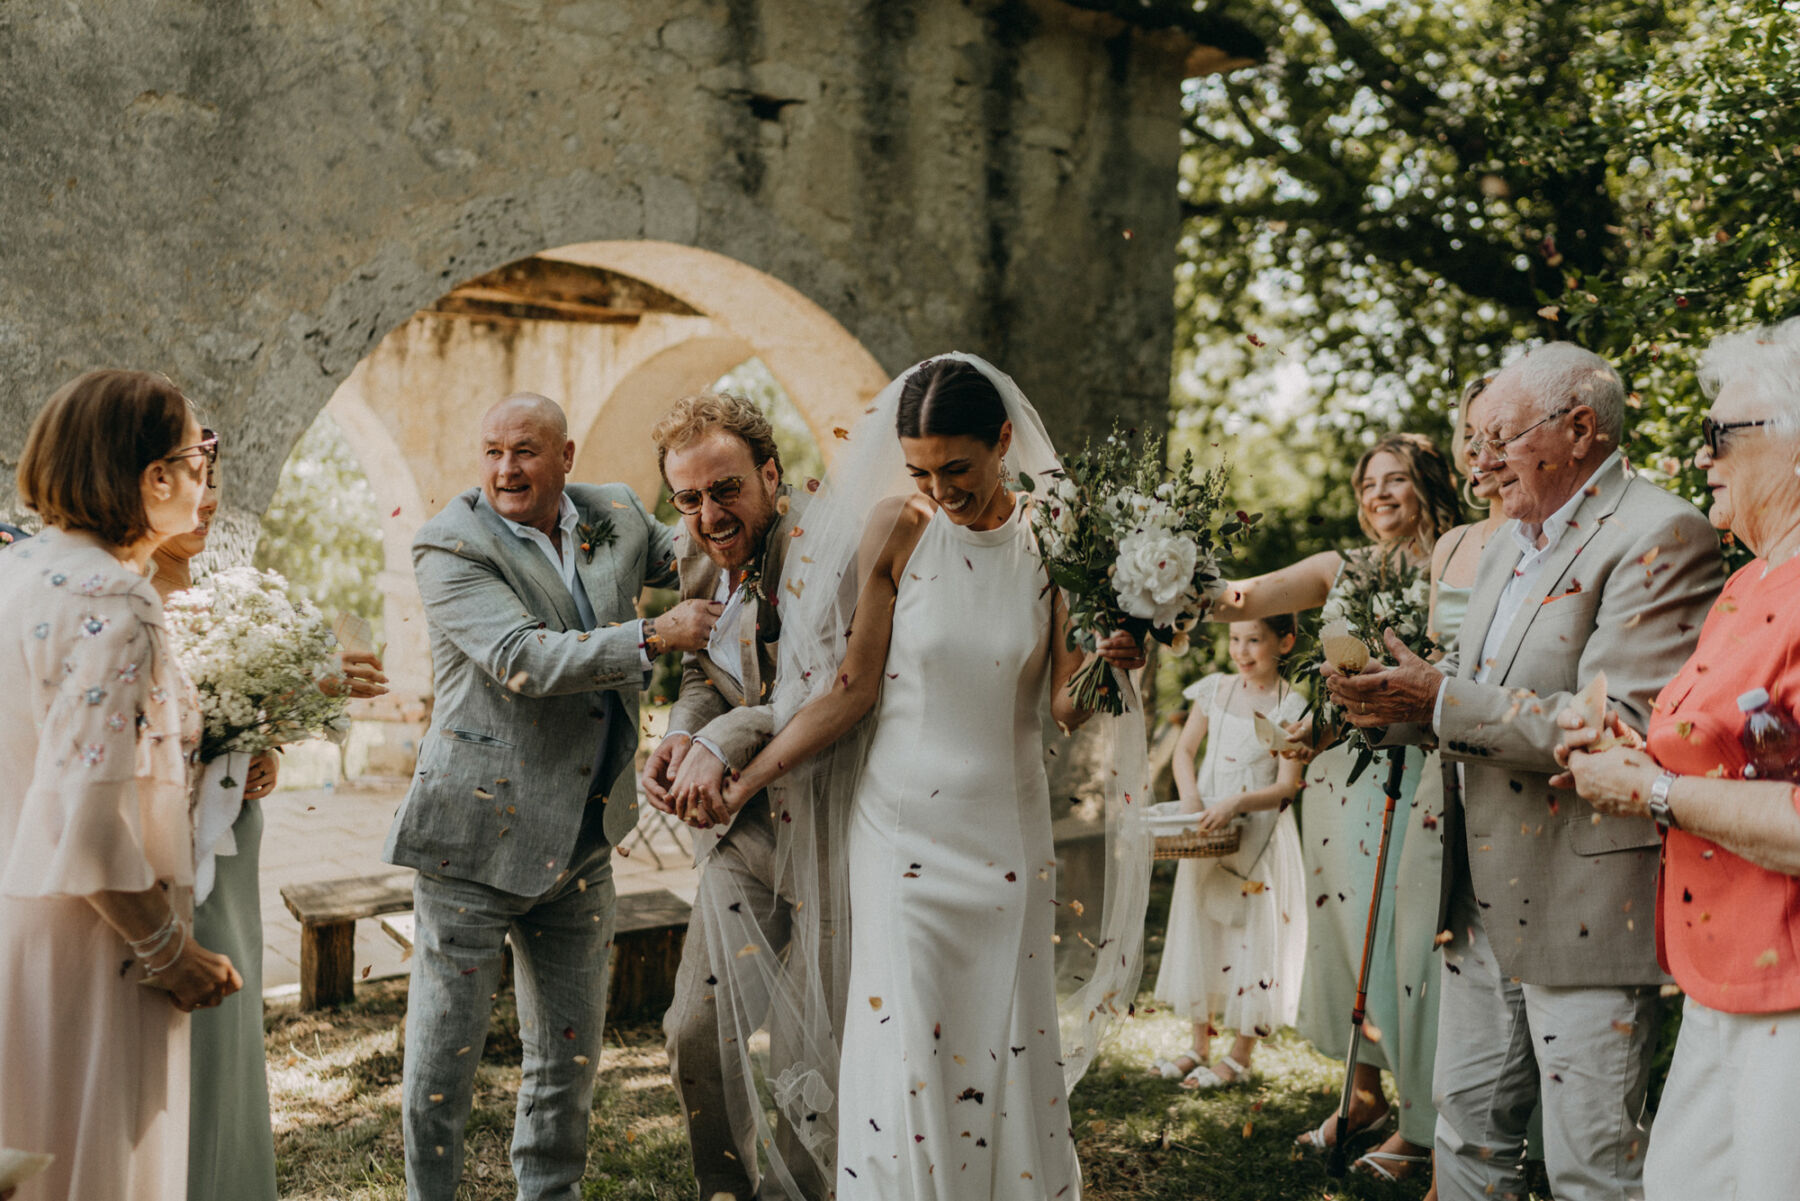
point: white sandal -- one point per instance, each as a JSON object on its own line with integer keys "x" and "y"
{"x": 1370, "y": 1163}
{"x": 1203, "y": 1078}
{"x": 1168, "y": 1069}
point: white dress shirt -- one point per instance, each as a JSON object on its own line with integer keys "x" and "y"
{"x": 1524, "y": 577}
{"x": 721, "y": 648}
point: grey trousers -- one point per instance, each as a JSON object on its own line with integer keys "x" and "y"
{"x": 721, "y": 1130}
{"x": 1503, "y": 1046}
{"x": 562, "y": 943}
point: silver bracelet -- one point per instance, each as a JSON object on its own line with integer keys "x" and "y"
{"x": 156, "y": 940}
{"x": 151, "y": 973}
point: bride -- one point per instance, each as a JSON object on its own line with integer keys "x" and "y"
{"x": 932, "y": 611}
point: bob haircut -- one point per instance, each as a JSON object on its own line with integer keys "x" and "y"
{"x": 1429, "y": 472}
{"x": 89, "y": 446}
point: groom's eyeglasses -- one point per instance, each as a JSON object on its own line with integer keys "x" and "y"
{"x": 1713, "y": 433}
{"x": 723, "y": 492}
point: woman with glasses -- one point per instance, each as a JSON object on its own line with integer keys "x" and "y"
{"x": 98, "y": 726}
{"x": 231, "y": 1150}
{"x": 1728, "y": 903}
{"x": 1405, "y": 504}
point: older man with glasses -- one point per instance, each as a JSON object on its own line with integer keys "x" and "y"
{"x": 1550, "y": 977}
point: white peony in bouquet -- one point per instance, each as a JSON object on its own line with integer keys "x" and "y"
{"x": 1133, "y": 546}
{"x": 255, "y": 654}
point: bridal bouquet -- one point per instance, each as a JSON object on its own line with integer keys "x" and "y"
{"x": 1373, "y": 593}
{"x": 255, "y": 654}
{"x": 1133, "y": 546}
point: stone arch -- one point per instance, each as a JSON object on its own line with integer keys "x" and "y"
{"x": 411, "y": 406}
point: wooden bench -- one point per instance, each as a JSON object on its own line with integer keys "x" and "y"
{"x": 650, "y": 929}
{"x": 327, "y": 911}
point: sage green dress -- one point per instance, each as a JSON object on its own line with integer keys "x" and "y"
{"x": 231, "y": 1145}
{"x": 1340, "y": 833}
{"x": 1416, "y": 893}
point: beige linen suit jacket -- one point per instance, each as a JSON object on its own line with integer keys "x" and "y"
{"x": 1567, "y": 896}
{"x": 737, "y": 718}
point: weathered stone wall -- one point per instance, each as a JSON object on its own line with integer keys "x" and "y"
{"x": 249, "y": 196}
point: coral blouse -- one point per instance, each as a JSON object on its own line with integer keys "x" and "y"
{"x": 1726, "y": 929}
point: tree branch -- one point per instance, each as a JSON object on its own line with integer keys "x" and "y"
{"x": 1204, "y": 26}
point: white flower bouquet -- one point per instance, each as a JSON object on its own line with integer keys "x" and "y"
{"x": 1133, "y": 546}
{"x": 255, "y": 654}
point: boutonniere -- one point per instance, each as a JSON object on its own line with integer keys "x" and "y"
{"x": 593, "y": 537}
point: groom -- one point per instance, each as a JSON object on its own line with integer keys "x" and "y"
{"x": 529, "y": 585}
{"x": 719, "y": 458}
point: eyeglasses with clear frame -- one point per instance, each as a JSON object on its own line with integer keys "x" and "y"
{"x": 723, "y": 492}
{"x": 1481, "y": 445}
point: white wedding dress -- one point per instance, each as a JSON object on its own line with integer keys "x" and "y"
{"x": 951, "y": 1082}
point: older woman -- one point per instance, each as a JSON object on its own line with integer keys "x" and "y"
{"x": 1405, "y": 503}
{"x": 231, "y": 1150}
{"x": 97, "y": 728}
{"x": 1728, "y": 905}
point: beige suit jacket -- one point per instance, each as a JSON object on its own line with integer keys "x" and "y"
{"x": 1567, "y": 896}
{"x": 737, "y": 718}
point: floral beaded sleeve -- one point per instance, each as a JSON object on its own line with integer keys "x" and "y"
{"x": 107, "y": 803}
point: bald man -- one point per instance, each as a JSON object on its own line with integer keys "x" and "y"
{"x": 530, "y": 586}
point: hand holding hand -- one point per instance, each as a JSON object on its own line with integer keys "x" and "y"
{"x": 698, "y": 792}
{"x": 1405, "y": 692}
{"x": 659, "y": 771}
{"x": 1121, "y": 650}
{"x": 259, "y": 782}
{"x": 688, "y": 625}
{"x": 1615, "y": 782}
{"x": 1579, "y": 738}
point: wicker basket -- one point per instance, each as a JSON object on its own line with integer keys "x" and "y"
{"x": 1196, "y": 844}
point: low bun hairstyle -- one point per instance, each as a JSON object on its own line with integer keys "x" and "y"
{"x": 950, "y": 398}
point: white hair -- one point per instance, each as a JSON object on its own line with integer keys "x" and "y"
{"x": 1767, "y": 359}
{"x": 1557, "y": 375}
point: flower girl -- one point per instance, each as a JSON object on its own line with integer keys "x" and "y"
{"x": 1237, "y": 925}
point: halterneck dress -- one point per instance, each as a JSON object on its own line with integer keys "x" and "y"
{"x": 950, "y": 1085}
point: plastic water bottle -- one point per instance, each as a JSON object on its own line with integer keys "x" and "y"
{"x": 1770, "y": 738}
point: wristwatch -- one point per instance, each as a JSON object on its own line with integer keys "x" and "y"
{"x": 1659, "y": 801}
{"x": 653, "y": 643}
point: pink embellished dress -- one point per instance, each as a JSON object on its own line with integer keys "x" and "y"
{"x": 97, "y": 730}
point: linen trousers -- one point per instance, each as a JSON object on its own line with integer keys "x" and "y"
{"x": 721, "y": 1131}
{"x": 1727, "y": 1129}
{"x": 1504, "y": 1046}
{"x": 562, "y": 944}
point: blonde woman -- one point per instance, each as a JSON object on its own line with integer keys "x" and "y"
{"x": 1405, "y": 503}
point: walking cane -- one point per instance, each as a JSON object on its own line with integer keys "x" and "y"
{"x": 1339, "y": 1157}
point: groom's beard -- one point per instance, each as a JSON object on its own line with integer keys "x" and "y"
{"x": 748, "y": 546}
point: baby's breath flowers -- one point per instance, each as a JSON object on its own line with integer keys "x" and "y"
{"x": 255, "y": 654}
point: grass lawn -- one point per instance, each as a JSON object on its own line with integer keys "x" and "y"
{"x": 335, "y": 1079}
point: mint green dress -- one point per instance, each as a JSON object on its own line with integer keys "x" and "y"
{"x": 1340, "y": 832}
{"x": 231, "y": 1146}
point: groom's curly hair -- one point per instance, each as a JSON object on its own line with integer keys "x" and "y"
{"x": 699, "y": 414}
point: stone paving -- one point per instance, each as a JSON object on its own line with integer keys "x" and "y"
{"x": 325, "y": 833}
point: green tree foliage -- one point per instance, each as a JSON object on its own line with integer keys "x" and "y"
{"x": 1405, "y": 191}
{"x": 322, "y": 530}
